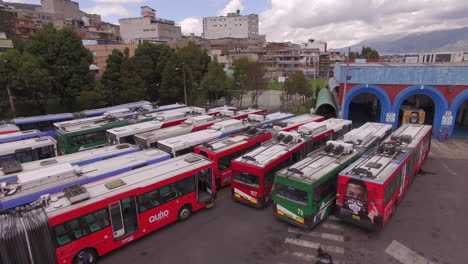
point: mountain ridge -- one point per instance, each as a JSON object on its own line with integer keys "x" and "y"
{"x": 419, "y": 42}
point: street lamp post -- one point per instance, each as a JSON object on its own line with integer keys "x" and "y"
{"x": 185, "y": 86}
{"x": 346, "y": 84}
{"x": 10, "y": 97}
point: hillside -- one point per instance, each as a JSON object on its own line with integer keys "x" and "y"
{"x": 441, "y": 40}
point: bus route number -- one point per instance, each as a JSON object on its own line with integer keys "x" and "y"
{"x": 300, "y": 211}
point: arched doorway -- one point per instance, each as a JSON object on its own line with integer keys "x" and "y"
{"x": 460, "y": 129}
{"x": 438, "y": 99}
{"x": 364, "y": 108}
{"x": 370, "y": 98}
{"x": 459, "y": 110}
{"x": 418, "y": 102}
{"x": 325, "y": 105}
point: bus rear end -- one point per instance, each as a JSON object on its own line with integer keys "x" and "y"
{"x": 359, "y": 202}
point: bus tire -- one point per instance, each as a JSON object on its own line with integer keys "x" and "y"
{"x": 90, "y": 252}
{"x": 185, "y": 212}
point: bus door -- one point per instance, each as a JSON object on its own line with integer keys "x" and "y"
{"x": 205, "y": 186}
{"x": 123, "y": 217}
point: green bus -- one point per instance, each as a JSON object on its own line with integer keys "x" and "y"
{"x": 304, "y": 193}
{"x": 84, "y": 136}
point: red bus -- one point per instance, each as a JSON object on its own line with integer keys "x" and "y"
{"x": 223, "y": 151}
{"x": 295, "y": 122}
{"x": 91, "y": 220}
{"x": 253, "y": 173}
{"x": 370, "y": 189}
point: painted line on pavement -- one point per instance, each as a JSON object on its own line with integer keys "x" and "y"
{"x": 404, "y": 254}
{"x": 333, "y": 226}
{"x": 448, "y": 169}
{"x": 317, "y": 234}
{"x": 309, "y": 244}
{"x": 310, "y": 258}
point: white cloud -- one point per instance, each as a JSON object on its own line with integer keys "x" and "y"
{"x": 191, "y": 25}
{"x": 343, "y": 23}
{"x": 232, "y": 7}
{"x": 34, "y": 2}
{"x": 108, "y": 10}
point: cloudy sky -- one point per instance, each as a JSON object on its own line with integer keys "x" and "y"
{"x": 339, "y": 22}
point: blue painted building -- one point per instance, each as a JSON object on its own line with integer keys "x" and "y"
{"x": 445, "y": 84}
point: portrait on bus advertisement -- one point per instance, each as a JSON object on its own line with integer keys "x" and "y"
{"x": 414, "y": 116}
{"x": 356, "y": 206}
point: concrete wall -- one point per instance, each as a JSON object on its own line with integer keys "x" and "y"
{"x": 134, "y": 29}
{"x": 230, "y": 27}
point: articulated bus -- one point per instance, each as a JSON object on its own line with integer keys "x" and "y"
{"x": 222, "y": 151}
{"x": 28, "y": 149}
{"x": 370, "y": 189}
{"x": 253, "y": 173}
{"x": 183, "y": 144}
{"x": 94, "y": 219}
{"x": 295, "y": 122}
{"x": 8, "y": 128}
{"x": 261, "y": 120}
{"x": 20, "y": 135}
{"x": 10, "y": 168}
{"x": 160, "y": 120}
{"x": 236, "y": 114}
{"x": 305, "y": 192}
{"x": 27, "y": 187}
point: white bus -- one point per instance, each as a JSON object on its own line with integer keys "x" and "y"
{"x": 183, "y": 144}
{"x": 78, "y": 158}
{"x": 28, "y": 149}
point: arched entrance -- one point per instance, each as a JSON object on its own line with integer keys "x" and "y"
{"x": 459, "y": 109}
{"x": 366, "y": 103}
{"x": 325, "y": 105}
{"x": 439, "y": 101}
{"x": 418, "y": 102}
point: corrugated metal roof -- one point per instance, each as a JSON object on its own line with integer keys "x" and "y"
{"x": 325, "y": 97}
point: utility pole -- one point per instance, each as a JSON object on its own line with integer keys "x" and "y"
{"x": 10, "y": 97}
{"x": 185, "y": 85}
{"x": 345, "y": 84}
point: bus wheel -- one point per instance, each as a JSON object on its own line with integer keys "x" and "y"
{"x": 85, "y": 256}
{"x": 185, "y": 212}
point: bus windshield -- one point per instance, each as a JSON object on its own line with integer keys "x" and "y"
{"x": 291, "y": 194}
{"x": 248, "y": 179}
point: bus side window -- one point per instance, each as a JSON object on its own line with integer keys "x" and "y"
{"x": 148, "y": 200}
{"x": 323, "y": 190}
{"x": 185, "y": 186}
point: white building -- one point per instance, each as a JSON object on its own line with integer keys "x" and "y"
{"x": 231, "y": 26}
{"x": 148, "y": 27}
{"x": 437, "y": 57}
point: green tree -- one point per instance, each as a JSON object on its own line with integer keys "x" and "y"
{"x": 172, "y": 83}
{"x": 132, "y": 85}
{"x": 214, "y": 81}
{"x": 241, "y": 68}
{"x": 255, "y": 81}
{"x": 150, "y": 60}
{"x": 196, "y": 63}
{"x": 296, "y": 84}
{"x": 111, "y": 78}
{"x": 66, "y": 60}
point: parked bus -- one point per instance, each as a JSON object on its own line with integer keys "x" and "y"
{"x": 266, "y": 119}
{"x": 318, "y": 133}
{"x": 20, "y": 135}
{"x": 29, "y": 186}
{"x": 10, "y": 168}
{"x": 236, "y": 114}
{"x": 151, "y": 138}
{"x": 370, "y": 189}
{"x": 44, "y": 123}
{"x": 126, "y": 134}
{"x": 94, "y": 219}
{"x": 28, "y": 149}
{"x": 223, "y": 151}
{"x": 8, "y": 128}
{"x": 305, "y": 192}
{"x": 183, "y": 144}
{"x": 295, "y": 122}
{"x": 253, "y": 173}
